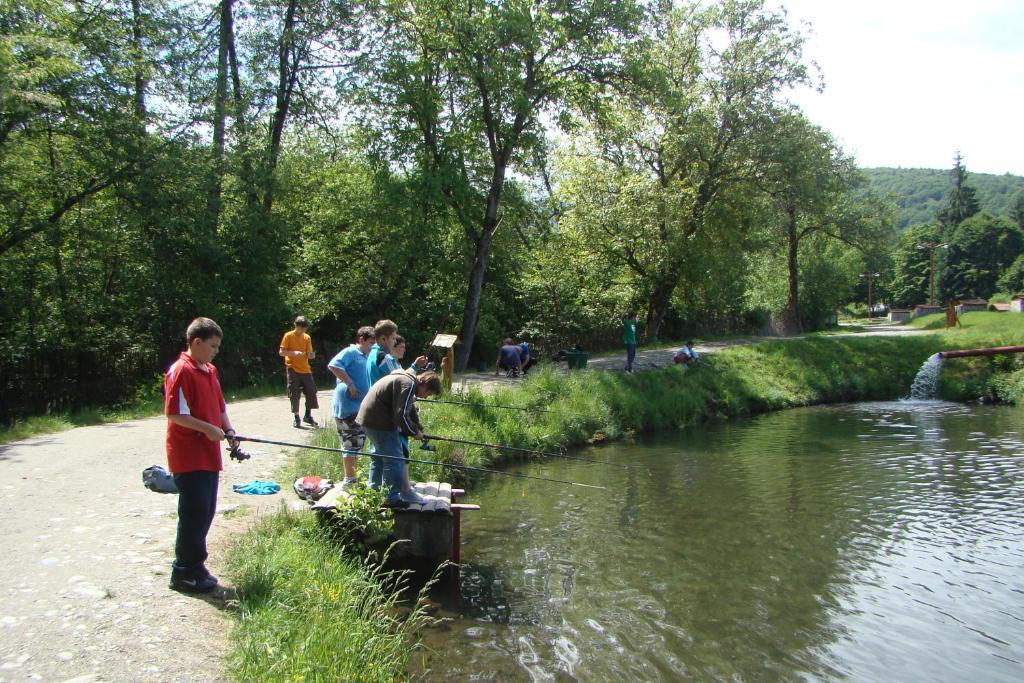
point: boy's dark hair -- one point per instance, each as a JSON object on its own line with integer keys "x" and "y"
{"x": 508, "y": 341}
{"x": 630, "y": 314}
{"x": 431, "y": 380}
{"x": 202, "y": 328}
{"x": 364, "y": 332}
{"x": 399, "y": 340}
{"x": 301, "y": 321}
{"x": 383, "y": 328}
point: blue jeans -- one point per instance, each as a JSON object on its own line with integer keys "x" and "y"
{"x": 390, "y": 471}
{"x": 630, "y": 355}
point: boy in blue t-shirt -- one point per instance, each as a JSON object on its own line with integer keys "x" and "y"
{"x": 349, "y": 368}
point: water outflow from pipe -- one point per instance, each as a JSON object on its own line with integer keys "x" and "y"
{"x": 926, "y": 384}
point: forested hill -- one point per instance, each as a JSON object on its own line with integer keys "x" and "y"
{"x": 921, "y": 191}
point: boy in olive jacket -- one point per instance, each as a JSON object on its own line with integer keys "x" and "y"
{"x": 387, "y": 413}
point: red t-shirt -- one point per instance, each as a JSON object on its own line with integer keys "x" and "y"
{"x": 195, "y": 391}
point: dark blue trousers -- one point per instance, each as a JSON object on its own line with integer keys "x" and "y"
{"x": 197, "y": 504}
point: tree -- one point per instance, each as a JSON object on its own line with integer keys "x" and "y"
{"x": 810, "y": 183}
{"x": 910, "y": 284}
{"x": 677, "y": 152}
{"x": 961, "y": 202}
{"x": 981, "y": 249}
{"x": 1017, "y": 209}
{"x": 459, "y": 90}
{"x": 1012, "y": 279}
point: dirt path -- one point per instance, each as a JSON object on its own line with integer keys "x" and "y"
{"x": 88, "y": 549}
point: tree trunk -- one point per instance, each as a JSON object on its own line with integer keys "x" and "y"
{"x": 791, "y": 316}
{"x": 471, "y": 311}
{"x": 213, "y": 200}
{"x": 657, "y": 307}
{"x": 286, "y": 75}
{"x": 140, "y": 76}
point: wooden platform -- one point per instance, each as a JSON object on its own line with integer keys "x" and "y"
{"x": 421, "y": 542}
{"x": 439, "y": 495}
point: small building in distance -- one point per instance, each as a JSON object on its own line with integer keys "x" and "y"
{"x": 898, "y": 315}
{"x": 1017, "y": 303}
{"x": 926, "y": 309}
{"x": 969, "y": 305}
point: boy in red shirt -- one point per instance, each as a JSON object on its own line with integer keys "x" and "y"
{"x": 197, "y": 420}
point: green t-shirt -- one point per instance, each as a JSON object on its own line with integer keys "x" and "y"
{"x": 629, "y": 332}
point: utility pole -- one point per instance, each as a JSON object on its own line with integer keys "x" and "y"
{"x": 870, "y": 277}
{"x": 931, "y": 247}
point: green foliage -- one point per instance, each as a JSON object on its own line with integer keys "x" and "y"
{"x": 981, "y": 249}
{"x": 919, "y": 193}
{"x": 1012, "y": 280}
{"x": 911, "y": 279}
{"x": 961, "y": 202}
{"x": 306, "y": 612}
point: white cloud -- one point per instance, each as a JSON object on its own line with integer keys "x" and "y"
{"x": 907, "y": 83}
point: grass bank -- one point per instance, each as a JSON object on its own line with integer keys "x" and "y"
{"x": 284, "y": 565}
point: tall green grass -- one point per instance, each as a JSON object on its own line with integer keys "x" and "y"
{"x": 309, "y": 613}
{"x": 588, "y": 406}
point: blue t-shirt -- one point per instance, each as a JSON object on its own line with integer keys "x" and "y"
{"x": 509, "y": 356}
{"x": 524, "y": 351}
{"x": 376, "y": 364}
{"x": 353, "y": 362}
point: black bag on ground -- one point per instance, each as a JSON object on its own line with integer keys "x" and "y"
{"x": 156, "y": 478}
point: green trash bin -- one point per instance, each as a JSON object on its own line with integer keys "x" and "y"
{"x": 577, "y": 359}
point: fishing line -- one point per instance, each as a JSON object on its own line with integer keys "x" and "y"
{"x": 483, "y": 405}
{"x": 529, "y": 451}
{"x": 255, "y": 439}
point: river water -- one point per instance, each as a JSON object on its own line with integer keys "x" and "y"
{"x": 876, "y": 541}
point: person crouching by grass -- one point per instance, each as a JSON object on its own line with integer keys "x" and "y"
{"x": 387, "y": 413}
{"x": 349, "y": 368}
{"x": 197, "y": 420}
{"x": 297, "y": 350}
{"x": 509, "y": 361}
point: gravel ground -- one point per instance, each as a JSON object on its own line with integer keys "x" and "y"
{"x": 85, "y": 596}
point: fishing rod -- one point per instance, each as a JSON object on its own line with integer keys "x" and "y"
{"x": 528, "y": 451}
{"x": 483, "y": 405}
{"x": 256, "y": 439}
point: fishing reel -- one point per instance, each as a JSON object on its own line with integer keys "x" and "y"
{"x": 236, "y": 452}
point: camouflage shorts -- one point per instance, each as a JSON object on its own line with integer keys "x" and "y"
{"x": 352, "y": 435}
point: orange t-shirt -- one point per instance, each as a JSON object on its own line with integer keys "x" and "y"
{"x": 297, "y": 341}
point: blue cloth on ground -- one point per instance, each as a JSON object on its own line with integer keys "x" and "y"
{"x": 257, "y": 488}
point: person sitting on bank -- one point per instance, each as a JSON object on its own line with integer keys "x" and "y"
{"x": 525, "y": 359}
{"x": 509, "y": 360}
{"x": 686, "y": 355}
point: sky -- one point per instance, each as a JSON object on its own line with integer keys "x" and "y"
{"x": 910, "y": 82}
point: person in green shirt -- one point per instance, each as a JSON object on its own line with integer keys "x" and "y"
{"x": 629, "y": 338}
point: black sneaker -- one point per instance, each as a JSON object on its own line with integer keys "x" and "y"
{"x": 192, "y": 582}
{"x": 297, "y": 423}
{"x": 395, "y": 504}
{"x": 310, "y": 421}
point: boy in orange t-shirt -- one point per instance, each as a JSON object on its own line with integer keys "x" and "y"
{"x": 297, "y": 350}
